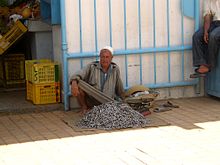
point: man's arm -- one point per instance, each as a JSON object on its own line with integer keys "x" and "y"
{"x": 207, "y": 22}
{"x": 82, "y": 74}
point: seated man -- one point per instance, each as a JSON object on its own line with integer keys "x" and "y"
{"x": 206, "y": 40}
{"x": 104, "y": 75}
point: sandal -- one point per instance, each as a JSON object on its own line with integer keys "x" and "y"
{"x": 171, "y": 105}
{"x": 161, "y": 109}
{"x": 197, "y": 75}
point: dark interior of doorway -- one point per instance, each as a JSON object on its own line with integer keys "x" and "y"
{"x": 13, "y": 99}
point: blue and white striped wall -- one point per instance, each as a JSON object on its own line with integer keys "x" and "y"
{"x": 151, "y": 39}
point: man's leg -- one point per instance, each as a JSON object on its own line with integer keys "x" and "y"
{"x": 199, "y": 48}
{"x": 82, "y": 101}
{"x": 213, "y": 46}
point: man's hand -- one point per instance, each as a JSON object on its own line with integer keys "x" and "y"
{"x": 206, "y": 37}
{"x": 74, "y": 88}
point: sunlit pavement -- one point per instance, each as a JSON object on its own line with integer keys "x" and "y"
{"x": 192, "y": 138}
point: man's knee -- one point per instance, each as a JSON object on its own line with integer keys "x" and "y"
{"x": 197, "y": 36}
{"x": 214, "y": 37}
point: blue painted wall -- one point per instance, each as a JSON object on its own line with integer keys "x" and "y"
{"x": 50, "y": 11}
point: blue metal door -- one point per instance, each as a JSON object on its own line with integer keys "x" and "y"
{"x": 151, "y": 39}
{"x": 213, "y": 80}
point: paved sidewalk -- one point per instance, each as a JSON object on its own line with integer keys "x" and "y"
{"x": 193, "y": 138}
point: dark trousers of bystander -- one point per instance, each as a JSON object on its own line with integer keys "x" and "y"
{"x": 203, "y": 53}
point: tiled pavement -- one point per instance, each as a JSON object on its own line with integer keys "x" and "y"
{"x": 193, "y": 138}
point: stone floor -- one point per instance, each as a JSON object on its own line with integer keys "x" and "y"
{"x": 12, "y": 101}
{"x": 42, "y": 138}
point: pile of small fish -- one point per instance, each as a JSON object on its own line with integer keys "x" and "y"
{"x": 112, "y": 115}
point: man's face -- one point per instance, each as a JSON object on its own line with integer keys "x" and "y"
{"x": 105, "y": 58}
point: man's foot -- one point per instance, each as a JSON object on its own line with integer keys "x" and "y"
{"x": 200, "y": 72}
{"x": 84, "y": 110}
{"x": 202, "y": 69}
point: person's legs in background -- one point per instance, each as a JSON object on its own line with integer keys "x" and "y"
{"x": 213, "y": 46}
{"x": 204, "y": 55}
{"x": 199, "y": 48}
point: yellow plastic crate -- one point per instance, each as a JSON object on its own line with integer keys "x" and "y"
{"x": 41, "y": 71}
{"x": 43, "y": 93}
{"x": 12, "y": 70}
{"x": 12, "y": 36}
{"x": 29, "y": 64}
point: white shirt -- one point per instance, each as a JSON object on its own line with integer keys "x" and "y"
{"x": 212, "y": 7}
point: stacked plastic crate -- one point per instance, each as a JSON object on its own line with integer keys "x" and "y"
{"x": 42, "y": 81}
{"x": 16, "y": 32}
{"x": 12, "y": 70}
{"x": 12, "y": 65}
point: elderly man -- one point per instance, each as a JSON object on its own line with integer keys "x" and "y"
{"x": 104, "y": 75}
{"x": 206, "y": 40}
